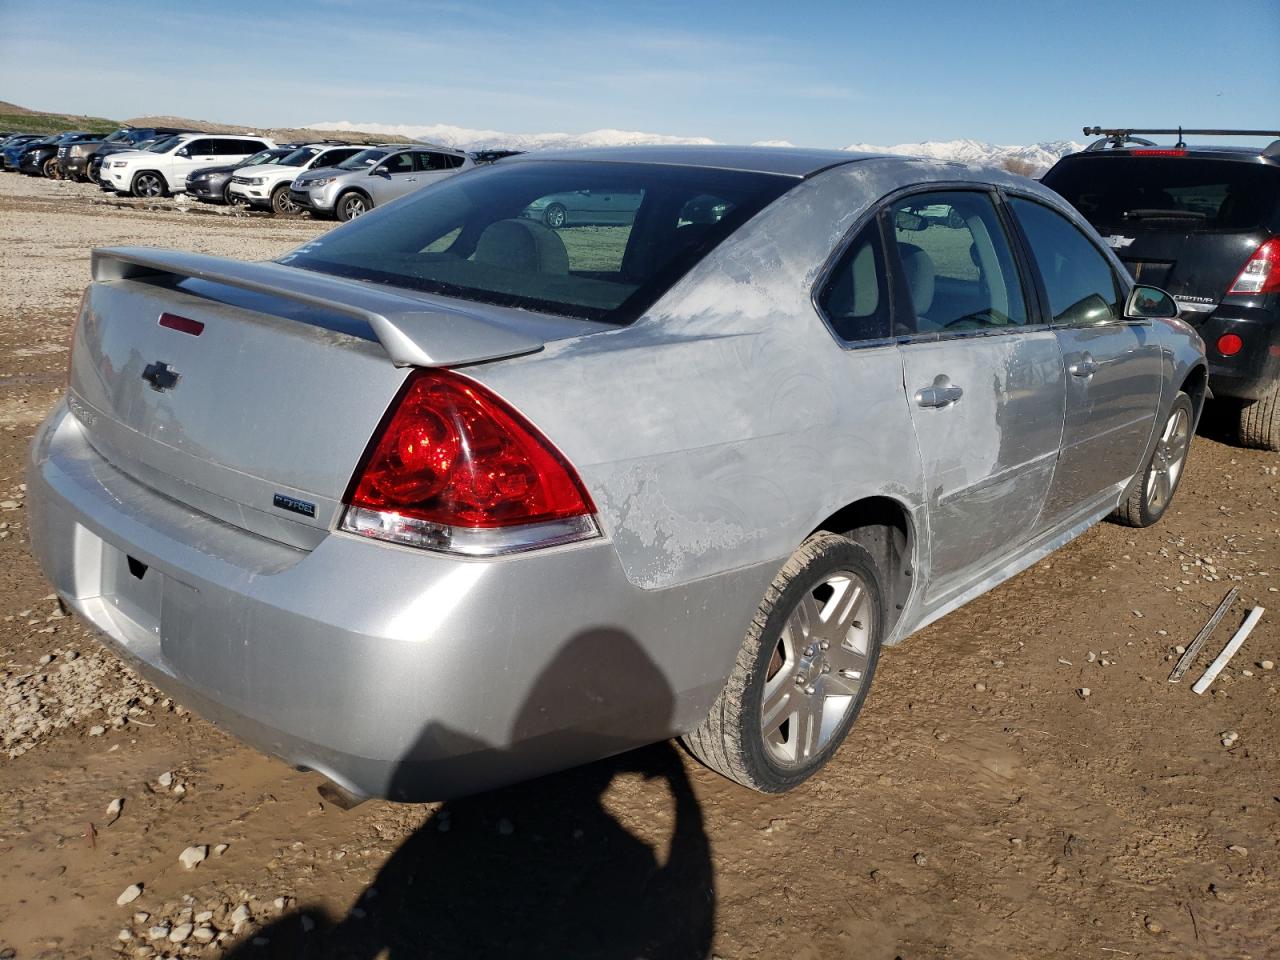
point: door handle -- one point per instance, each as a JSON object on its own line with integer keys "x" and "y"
{"x": 942, "y": 393}
{"x": 1086, "y": 366}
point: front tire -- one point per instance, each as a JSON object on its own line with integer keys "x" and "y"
{"x": 1153, "y": 492}
{"x": 148, "y": 185}
{"x": 352, "y": 205}
{"x": 282, "y": 204}
{"x": 803, "y": 671}
{"x": 50, "y": 169}
{"x": 1260, "y": 421}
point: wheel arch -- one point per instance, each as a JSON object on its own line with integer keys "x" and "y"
{"x": 349, "y": 190}
{"x": 1196, "y": 386}
{"x": 164, "y": 181}
{"x": 883, "y": 526}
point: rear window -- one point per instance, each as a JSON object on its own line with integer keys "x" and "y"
{"x": 1169, "y": 193}
{"x": 600, "y": 241}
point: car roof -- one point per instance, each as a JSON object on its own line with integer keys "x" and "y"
{"x": 787, "y": 161}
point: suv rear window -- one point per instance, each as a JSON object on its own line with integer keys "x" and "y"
{"x": 1168, "y": 193}
{"x": 491, "y": 236}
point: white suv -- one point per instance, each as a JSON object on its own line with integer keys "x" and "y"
{"x": 267, "y": 185}
{"x": 162, "y": 169}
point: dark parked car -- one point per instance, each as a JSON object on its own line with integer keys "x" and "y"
{"x": 40, "y": 159}
{"x": 13, "y": 152}
{"x": 1202, "y": 222}
{"x": 13, "y": 147}
{"x": 211, "y": 184}
{"x": 130, "y": 138}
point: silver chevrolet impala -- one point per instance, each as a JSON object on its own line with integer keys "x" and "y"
{"x": 448, "y": 498}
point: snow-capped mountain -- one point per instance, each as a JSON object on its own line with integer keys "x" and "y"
{"x": 1039, "y": 156}
{"x": 464, "y": 138}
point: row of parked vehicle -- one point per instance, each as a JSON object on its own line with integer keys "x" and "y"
{"x": 327, "y": 178}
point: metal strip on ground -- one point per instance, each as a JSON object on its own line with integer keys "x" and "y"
{"x": 1184, "y": 664}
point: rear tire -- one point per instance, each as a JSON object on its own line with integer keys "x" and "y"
{"x": 351, "y": 205}
{"x": 148, "y": 185}
{"x": 1260, "y": 421}
{"x": 803, "y": 671}
{"x": 1155, "y": 486}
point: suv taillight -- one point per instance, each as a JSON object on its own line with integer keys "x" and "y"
{"x": 1262, "y": 273}
{"x": 455, "y": 468}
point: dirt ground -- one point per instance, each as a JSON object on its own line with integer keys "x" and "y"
{"x": 983, "y": 807}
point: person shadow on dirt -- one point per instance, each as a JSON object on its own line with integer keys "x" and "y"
{"x": 542, "y": 868}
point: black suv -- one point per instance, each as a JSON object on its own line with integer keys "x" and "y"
{"x": 1202, "y": 222}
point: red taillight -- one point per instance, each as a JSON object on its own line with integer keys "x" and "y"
{"x": 1262, "y": 273}
{"x": 1229, "y": 344}
{"x": 455, "y": 465}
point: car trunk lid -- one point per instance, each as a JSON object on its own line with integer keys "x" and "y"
{"x": 250, "y": 391}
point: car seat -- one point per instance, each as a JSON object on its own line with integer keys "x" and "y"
{"x": 524, "y": 245}
{"x": 921, "y": 277}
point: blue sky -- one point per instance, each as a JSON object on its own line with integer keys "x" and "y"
{"x": 819, "y": 74}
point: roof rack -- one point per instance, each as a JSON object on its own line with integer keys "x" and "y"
{"x": 1116, "y": 137}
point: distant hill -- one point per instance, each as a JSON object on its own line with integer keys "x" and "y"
{"x": 15, "y": 117}
{"x": 279, "y": 134}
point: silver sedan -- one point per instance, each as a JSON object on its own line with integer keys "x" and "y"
{"x": 447, "y": 498}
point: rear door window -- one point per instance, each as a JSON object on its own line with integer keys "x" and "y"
{"x": 437, "y": 161}
{"x": 957, "y": 262}
{"x": 855, "y": 298}
{"x": 1169, "y": 193}
{"x": 1078, "y": 278}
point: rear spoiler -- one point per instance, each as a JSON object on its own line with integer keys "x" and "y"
{"x": 414, "y": 334}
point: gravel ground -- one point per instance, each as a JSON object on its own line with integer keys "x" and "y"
{"x": 985, "y": 806}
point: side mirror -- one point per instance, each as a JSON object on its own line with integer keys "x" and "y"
{"x": 184, "y": 152}
{"x": 381, "y": 172}
{"x": 1150, "y": 303}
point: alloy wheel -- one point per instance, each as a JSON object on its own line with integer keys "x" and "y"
{"x": 282, "y": 203}
{"x": 1168, "y": 461}
{"x": 817, "y": 669}
{"x": 149, "y": 185}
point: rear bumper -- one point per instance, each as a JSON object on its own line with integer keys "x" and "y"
{"x": 1252, "y": 372}
{"x": 394, "y": 672}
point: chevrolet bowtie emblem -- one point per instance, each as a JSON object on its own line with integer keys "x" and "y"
{"x": 160, "y": 375}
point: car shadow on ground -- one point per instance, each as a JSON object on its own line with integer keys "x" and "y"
{"x": 542, "y": 868}
{"x": 1220, "y": 422}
